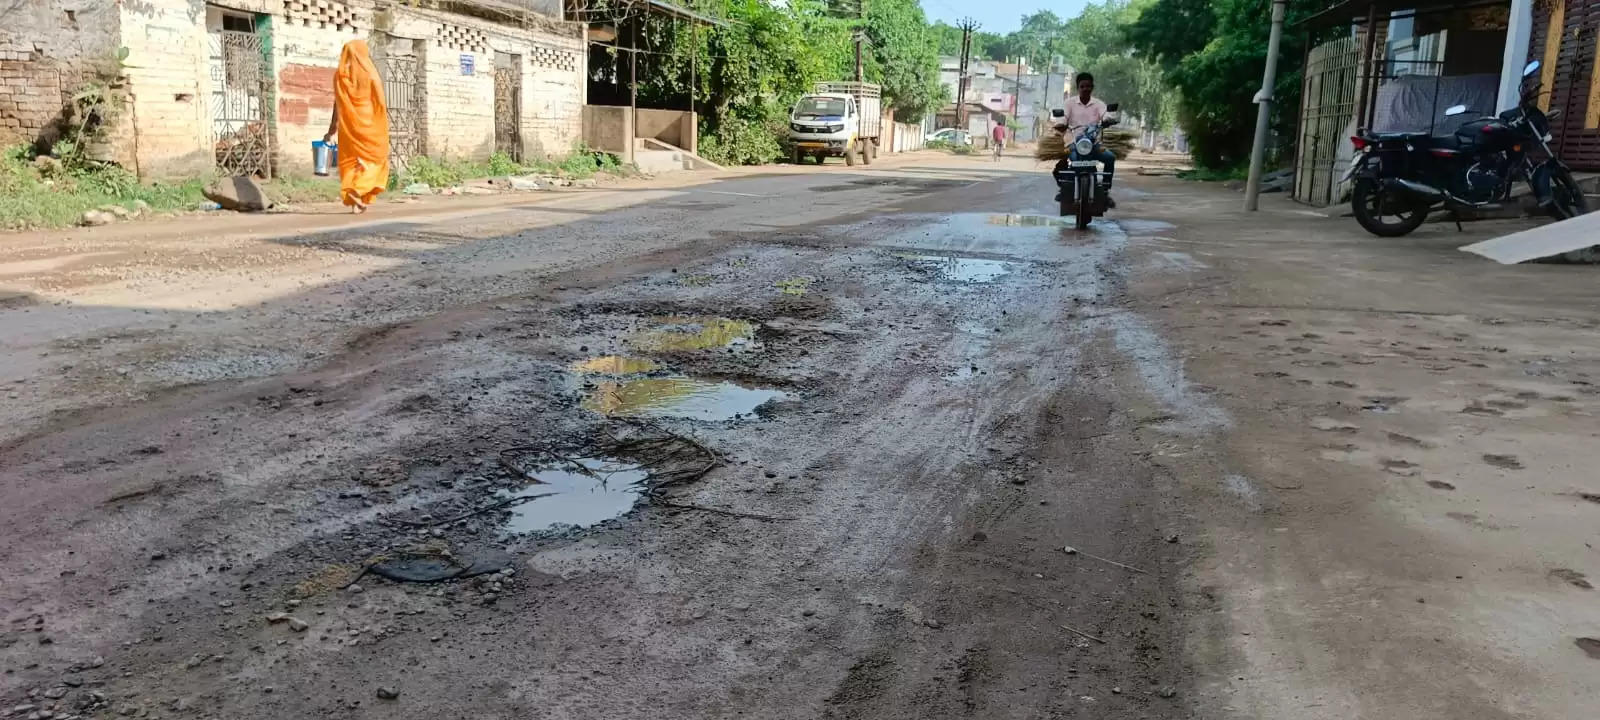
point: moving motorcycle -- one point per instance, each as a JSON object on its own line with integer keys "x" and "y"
{"x": 1401, "y": 177}
{"x": 1083, "y": 190}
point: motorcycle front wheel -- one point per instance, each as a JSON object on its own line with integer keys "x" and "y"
{"x": 1385, "y": 214}
{"x": 1566, "y": 196}
{"x": 1084, "y": 211}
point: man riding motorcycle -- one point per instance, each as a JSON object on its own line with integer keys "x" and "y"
{"x": 1082, "y": 111}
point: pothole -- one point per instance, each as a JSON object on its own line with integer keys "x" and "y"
{"x": 678, "y": 397}
{"x": 574, "y": 493}
{"x": 960, "y": 269}
{"x": 1027, "y": 220}
{"x": 614, "y": 365}
{"x": 686, "y": 333}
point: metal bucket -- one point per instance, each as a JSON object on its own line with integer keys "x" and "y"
{"x": 324, "y": 157}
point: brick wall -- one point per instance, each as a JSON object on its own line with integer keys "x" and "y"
{"x": 169, "y": 86}
{"x": 30, "y": 99}
{"x": 307, "y": 39}
{"x": 48, "y": 50}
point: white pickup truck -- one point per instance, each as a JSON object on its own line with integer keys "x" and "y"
{"x": 840, "y": 119}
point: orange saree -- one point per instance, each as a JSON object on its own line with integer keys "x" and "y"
{"x": 363, "y": 126}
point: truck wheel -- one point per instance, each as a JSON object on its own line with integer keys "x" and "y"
{"x": 795, "y": 156}
{"x": 872, "y": 151}
{"x": 866, "y": 152}
{"x": 850, "y": 156}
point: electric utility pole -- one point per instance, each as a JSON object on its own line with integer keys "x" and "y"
{"x": 967, "y": 25}
{"x": 1258, "y": 151}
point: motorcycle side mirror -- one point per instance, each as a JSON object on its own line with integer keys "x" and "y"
{"x": 1113, "y": 107}
{"x": 1532, "y": 67}
{"x": 1058, "y": 112}
{"x": 1454, "y": 110}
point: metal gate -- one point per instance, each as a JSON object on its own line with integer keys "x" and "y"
{"x": 1566, "y": 38}
{"x": 1328, "y": 105}
{"x": 508, "y": 104}
{"x": 241, "y": 92}
{"x": 403, "y": 93}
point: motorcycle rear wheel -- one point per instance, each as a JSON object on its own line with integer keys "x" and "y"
{"x": 1567, "y": 200}
{"x": 1385, "y": 214}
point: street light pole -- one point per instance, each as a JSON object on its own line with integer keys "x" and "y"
{"x": 1258, "y": 151}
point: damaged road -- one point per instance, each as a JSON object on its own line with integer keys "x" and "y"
{"x": 870, "y": 438}
{"x": 879, "y": 444}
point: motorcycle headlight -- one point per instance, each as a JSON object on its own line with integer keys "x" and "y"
{"x": 1083, "y": 146}
{"x": 835, "y": 128}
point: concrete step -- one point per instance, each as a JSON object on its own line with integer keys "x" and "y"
{"x": 656, "y": 162}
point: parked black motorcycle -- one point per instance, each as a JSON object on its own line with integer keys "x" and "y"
{"x": 1083, "y": 190}
{"x": 1401, "y": 177}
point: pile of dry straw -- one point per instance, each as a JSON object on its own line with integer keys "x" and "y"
{"x": 1053, "y": 147}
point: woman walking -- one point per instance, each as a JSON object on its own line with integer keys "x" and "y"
{"x": 361, "y": 122}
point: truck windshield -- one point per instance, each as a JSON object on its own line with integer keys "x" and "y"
{"x": 819, "y": 107}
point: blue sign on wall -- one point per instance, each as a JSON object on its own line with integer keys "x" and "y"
{"x": 466, "y": 64}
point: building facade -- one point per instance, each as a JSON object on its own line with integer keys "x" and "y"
{"x": 244, "y": 86}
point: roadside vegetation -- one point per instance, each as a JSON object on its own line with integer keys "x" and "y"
{"x": 745, "y": 76}
{"x": 1212, "y": 52}
{"x": 582, "y": 162}
{"x": 46, "y": 191}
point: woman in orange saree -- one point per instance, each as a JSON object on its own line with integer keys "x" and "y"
{"x": 361, "y": 122}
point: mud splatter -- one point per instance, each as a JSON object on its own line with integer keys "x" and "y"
{"x": 1440, "y": 485}
{"x": 1590, "y": 646}
{"x": 1507, "y": 462}
{"x": 1572, "y": 577}
{"x": 1400, "y": 439}
{"x": 1403, "y": 468}
{"x": 1328, "y": 424}
{"x": 960, "y": 269}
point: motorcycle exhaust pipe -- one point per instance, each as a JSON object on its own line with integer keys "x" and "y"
{"x": 1426, "y": 192}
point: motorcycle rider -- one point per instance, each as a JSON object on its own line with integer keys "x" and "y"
{"x": 1082, "y": 111}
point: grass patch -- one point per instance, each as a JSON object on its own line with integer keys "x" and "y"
{"x": 582, "y": 162}
{"x": 47, "y": 194}
{"x": 298, "y": 189}
{"x": 1215, "y": 174}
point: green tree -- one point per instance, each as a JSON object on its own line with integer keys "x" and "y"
{"x": 903, "y": 57}
{"x": 1218, "y": 71}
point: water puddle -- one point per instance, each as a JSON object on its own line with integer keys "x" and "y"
{"x": 1027, "y": 220}
{"x": 678, "y": 397}
{"x": 960, "y": 269}
{"x": 679, "y": 334}
{"x": 614, "y": 365}
{"x": 575, "y": 493}
{"x": 1144, "y": 227}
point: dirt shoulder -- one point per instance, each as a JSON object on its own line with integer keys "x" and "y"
{"x": 1400, "y": 522}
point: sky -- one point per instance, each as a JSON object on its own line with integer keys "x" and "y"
{"x": 997, "y": 16}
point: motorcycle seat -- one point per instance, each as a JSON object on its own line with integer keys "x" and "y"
{"x": 1399, "y": 135}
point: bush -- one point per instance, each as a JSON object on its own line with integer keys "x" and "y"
{"x": 741, "y": 142}
{"x": 1204, "y": 174}
{"x": 435, "y": 173}
{"x": 500, "y": 163}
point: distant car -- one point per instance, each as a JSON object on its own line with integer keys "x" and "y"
{"x": 954, "y": 136}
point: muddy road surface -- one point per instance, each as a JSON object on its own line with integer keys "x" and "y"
{"x": 816, "y": 452}
{"x": 884, "y": 443}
